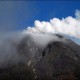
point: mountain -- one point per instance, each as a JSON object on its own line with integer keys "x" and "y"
{"x": 57, "y": 61}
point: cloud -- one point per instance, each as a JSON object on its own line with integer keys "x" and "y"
{"x": 42, "y": 39}
{"x": 66, "y": 26}
{"x": 41, "y": 34}
{"x": 13, "y": 50}
{"x": 8, "y": 48}
{"x": 77, "y": 14}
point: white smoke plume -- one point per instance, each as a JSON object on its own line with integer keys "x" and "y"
{"x": 66, "y": 26}
{"x": 8, "y": 48}
{"x": 10, "y": 54}
{"x": 77, "y": 14}
{"x": 42, "y": 39}
{"x": 41, "y": 34}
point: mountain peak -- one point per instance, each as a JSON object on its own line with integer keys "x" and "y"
{"x": 58, "y": 60}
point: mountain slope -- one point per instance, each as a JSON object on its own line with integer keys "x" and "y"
{"x": 57, "y": 61}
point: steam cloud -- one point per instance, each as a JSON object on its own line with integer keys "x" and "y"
{"x": 8, "y": 48}
{"x": 41, "y": 34}
{"x": 66, "y": 26}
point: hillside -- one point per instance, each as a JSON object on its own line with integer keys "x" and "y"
{"x": 57, "y": 61}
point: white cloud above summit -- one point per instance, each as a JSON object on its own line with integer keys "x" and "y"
{"x": 66, "y": 26}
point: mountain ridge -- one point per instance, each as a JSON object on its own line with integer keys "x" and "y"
{"x": 57, "y": 61}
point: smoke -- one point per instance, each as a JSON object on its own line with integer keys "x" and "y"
{"x": 42, "y": 39}
{"x": 11, "y": 54}
{"x": 41, "y": 34}
{"x": 77, "y": 13}
{"x": 8, "y": 48}
{"x": 66, "y": 26}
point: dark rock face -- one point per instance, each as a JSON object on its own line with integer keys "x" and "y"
{"x": 29, "y": 50}
{"x": 57, "y": 61}
{"x": 17, "y": 72}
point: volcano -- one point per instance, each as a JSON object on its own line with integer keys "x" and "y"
{"x": 57, "y": 61}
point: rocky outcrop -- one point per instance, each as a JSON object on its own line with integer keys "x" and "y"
{"x": 59, "y": 62}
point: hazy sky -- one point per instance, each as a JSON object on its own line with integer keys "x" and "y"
{"x": 18, "y": 15}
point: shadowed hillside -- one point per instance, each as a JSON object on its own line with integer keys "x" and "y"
{"x": 57, "y": 61}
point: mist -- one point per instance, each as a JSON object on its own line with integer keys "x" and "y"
{"x": 41, "y": 35}
{"x": 42, "y": 39}
{"x": 9, "y": 43}
{"x": 8, "y": 48}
